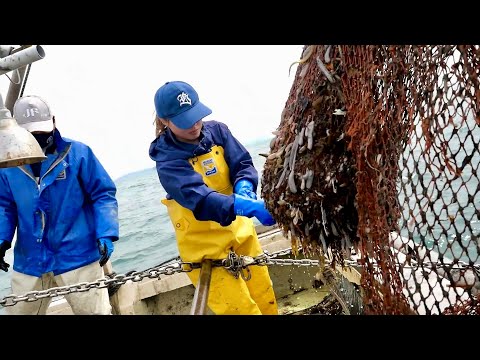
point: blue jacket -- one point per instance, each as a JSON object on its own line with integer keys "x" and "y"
{"x": 186, "y": 186}
{"x": 59, "y": 220}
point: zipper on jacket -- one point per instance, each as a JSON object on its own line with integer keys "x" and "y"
{"x": 39, "y": 181}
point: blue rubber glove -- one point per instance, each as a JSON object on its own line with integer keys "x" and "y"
{"x": 245, "y": 206}
{"x": 4, "y": 246}
{"x": 245, "y": 188}
{"x": 105, "y": 248}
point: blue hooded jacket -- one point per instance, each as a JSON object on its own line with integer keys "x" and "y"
{"x": 186, "y": 186}
{"x": 59, "y": 219}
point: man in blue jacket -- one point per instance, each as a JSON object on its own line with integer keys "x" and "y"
{"x": 64, "y": 212}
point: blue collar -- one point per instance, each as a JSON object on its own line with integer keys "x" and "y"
{"x": 60, "y": 141}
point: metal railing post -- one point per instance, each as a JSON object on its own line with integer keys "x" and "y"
{"x": 200, "y": 299}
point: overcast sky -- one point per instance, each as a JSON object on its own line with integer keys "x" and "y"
{"x": 102, "y": 95}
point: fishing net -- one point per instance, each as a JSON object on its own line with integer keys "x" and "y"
{"x": 375, "y": 159}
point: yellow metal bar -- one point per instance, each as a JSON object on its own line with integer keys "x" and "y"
{"x": 200, "y": 298}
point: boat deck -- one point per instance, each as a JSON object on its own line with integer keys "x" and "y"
{"x": 173, "y": 294}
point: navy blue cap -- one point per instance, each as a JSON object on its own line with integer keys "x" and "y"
{"x": 178, "y": 102}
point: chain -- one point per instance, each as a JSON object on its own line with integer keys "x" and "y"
{"x": 234, "y": 263}
{"x": 120, "y": 279}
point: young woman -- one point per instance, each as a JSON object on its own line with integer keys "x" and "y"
{"x": 211, "y": 187}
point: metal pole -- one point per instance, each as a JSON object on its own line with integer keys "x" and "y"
{"x": 19, "y": 59}
{"x": 200, "y": 299}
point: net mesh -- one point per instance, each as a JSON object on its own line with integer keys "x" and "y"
{"x": 376, "y": 157}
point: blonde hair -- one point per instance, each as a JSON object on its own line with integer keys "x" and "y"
{"x": 160, "y": 127}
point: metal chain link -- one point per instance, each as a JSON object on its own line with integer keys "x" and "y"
{"x": 120, "y": 279}
{"x": 233, "y": 263}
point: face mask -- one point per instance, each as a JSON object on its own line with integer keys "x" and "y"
{"x": 44, "y": 139}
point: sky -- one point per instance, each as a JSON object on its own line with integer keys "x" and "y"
{"x": 102, "y": 95}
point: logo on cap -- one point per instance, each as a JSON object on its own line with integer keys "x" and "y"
{"x": 31, "y": 112}
{"x": 184, "y": 99}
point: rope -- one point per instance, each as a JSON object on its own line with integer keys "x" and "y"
{"x": 25, "y": 80}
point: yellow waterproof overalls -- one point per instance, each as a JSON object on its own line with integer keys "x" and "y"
{"x": 198, "y": 240}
